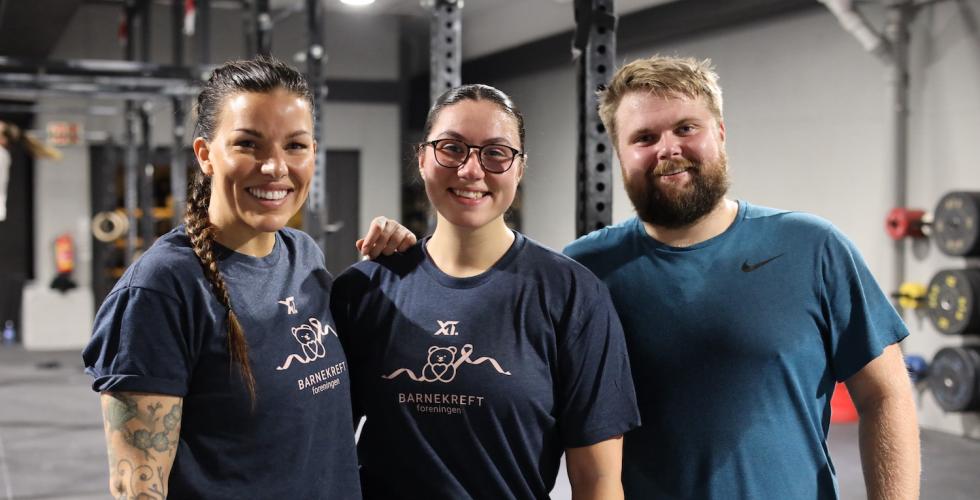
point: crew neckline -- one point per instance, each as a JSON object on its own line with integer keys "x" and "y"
{"x": 471, "y": 281}
{"x": 229, "y": 256}
{"x": 658, "y": 245}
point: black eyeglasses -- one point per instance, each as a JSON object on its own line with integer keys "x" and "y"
{"x": 494, "y": 158}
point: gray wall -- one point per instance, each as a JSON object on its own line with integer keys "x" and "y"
{"x": 62, "y": 192}
{"x": 808, "y": 120}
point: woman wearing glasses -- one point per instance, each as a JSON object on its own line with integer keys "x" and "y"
{"x": 479, "y": 356}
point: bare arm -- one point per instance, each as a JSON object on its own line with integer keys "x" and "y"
{"x": 888, "y": 429}
{"x": 141, "y": 432}
{"x": 595, "y": 471}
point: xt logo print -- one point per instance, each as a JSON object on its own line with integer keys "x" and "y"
{"x": 447, "y": 328}
{"x": 290, "y": 304}
{"x": 310, "y": 337}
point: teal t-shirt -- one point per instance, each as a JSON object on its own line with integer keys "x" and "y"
{"x": 736, "y": 344}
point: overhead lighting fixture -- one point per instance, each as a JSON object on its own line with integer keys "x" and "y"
{"x": 357, "y": 3}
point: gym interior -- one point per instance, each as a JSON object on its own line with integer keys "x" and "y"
{"x": 863, "y": 113}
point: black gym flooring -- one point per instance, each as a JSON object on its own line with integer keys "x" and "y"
{"x": 51, "y": 441}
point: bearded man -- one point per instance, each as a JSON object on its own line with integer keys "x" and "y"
{"x": 739, "y": 319}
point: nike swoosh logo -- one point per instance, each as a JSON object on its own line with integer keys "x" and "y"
{"x": 748, "y": 268}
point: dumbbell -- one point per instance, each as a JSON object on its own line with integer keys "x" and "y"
{"x": 906, "y": 223}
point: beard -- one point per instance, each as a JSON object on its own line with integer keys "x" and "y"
{"x": 675, "y": 207}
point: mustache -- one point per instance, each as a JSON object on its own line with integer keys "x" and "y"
{"x": 673, "y": 166}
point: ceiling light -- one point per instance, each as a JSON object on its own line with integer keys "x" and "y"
{"x": 357, "y": 3}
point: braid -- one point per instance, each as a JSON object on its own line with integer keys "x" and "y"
{"x": 201, "y": 232}
{"x": 259, "y": 75}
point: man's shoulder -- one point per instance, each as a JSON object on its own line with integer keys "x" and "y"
{"x": 600, "y": 241}
{"x": 790, "y": 220}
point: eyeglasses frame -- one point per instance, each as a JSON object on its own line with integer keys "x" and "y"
{"x": 479, "y": 154}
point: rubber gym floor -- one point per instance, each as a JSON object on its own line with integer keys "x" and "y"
{"x": 51, "y": 441}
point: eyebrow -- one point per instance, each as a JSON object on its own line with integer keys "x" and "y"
{"x": 678, "y": 123}
{"x": 492, "y": 140}
{"x": 258, "y": 134}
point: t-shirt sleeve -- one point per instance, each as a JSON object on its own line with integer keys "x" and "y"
{"x": 140, "y": 343}
{"x": 860, "y": 319}
{"x": 345, "y": 298}
{"x": 596, "y": 399}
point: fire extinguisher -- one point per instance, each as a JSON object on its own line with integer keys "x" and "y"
{"x": 64, "y": 262}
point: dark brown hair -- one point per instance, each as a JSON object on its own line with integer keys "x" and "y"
{"x": 475, "y": 92}
{"x": 260, "y": 75}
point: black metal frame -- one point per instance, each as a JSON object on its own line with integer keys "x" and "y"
{"x": 263, "y": 28}
{"x": 445, "y": 46}
{"x": 316, "y": 219}
{"x": 595, "y": 50}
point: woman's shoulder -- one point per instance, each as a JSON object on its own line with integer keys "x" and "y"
{"x": 397, "y": 265}
{"x": 547, "y": 262}
{"x": 168, "y": 264}
{"x": 298, "y": 239}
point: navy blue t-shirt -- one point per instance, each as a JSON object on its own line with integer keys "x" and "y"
{"x": 473, "y": 387}
{"x": 161, "y": 330}
{"x": 736, "y": 344}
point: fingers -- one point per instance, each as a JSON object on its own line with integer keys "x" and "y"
{"x": 378, "y": 237}
{"x": 406, "y": 241}
{"x": 374, "y": 235}
{"x": 401, "y": 239}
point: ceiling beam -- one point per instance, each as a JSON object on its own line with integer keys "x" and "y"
{"x": 32, "y": 29}
{"x": 641, "y": 29}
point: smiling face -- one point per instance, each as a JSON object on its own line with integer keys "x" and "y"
{"x": 468, "y": 197}
{"x": 672, "y": 154}
{"x": 260, "y": 160}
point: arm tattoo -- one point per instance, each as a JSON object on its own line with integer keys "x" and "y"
{"x": 149, "y": 431}
{"x": 136, "y": 477}
{"x": 156, "y": 435}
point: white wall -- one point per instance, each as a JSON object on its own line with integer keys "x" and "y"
{"x": 374, "y": 130}
{"x": 52, "y": 319}
{"x": 56, "y": 321}
{"x": 808, "y": 120}
{"x": 945, "y": 156}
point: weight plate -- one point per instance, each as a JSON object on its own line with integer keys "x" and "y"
{"x": 109, "y": 226}
{"x": 953, "y": 378}
{"x": 952, "y": 301}
{"x": 956, "y": 224}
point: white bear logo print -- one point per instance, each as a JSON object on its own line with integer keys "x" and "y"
{"x": 310, "y": 337}
{"x": 442, "y": 364}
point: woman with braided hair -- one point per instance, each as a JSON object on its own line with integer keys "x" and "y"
{"x": 219, "y": 366}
